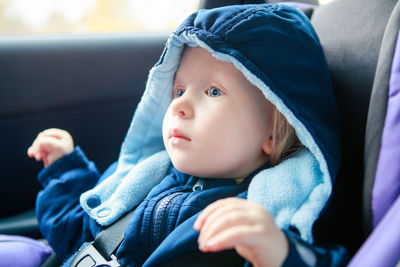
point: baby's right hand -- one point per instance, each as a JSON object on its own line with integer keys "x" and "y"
{"x": 50, "y": 145}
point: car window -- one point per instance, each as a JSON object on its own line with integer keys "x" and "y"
{"x": 324, "y": 2}
{"x": 82, "y": 16}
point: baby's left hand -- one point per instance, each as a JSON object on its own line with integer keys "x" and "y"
{"x": 50, "y": 145}
{"x": 245, "y": 226}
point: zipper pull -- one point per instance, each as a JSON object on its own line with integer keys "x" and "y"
{"x": 199, "y": 185}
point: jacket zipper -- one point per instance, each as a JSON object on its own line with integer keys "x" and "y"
{"x": 160, "y": 217}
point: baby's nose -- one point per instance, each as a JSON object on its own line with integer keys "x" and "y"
{"x": 182, "y": 108}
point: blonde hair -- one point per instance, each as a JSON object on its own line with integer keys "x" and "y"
{"x": 284, "y": 139}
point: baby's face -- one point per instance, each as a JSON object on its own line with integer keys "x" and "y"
{"x": 218, "y": 125}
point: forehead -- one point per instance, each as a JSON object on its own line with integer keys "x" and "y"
{"x": 199, "y": 63}
{"x": 199, "y": 59}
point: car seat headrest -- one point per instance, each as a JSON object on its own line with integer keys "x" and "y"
{"x": 382, "y": 177}
{"x": 350, "y": 33}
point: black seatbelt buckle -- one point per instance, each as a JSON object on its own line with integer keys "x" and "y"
{"x": 89, "y": 256}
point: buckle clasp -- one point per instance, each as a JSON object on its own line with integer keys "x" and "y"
{"x": 89, "y": 256}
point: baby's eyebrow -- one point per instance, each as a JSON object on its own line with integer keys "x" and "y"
{"x": 176, "y": 77}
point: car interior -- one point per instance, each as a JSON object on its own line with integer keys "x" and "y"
{"x": 90, "y": 84}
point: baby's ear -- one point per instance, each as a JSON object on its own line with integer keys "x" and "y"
{"x": 267, "y": 146}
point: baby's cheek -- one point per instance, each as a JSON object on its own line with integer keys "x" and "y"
{"x": 165, "y": 127}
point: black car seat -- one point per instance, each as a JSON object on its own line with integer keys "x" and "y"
{"x": 381, "y": 209}
{"x": 351, "y": 33}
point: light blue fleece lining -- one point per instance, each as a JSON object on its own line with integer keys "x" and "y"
{"x": 298, "y": 196}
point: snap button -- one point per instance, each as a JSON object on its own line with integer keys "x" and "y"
{"x": 104, "y": 212}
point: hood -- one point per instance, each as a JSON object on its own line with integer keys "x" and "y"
{"x": 277, "y": 50}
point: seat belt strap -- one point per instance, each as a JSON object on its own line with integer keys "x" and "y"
{"x": 100, "y": 252}
{"x": 108, "y": 240}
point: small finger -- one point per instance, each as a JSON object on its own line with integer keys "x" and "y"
{"x": 209, "y": 210}
{"x": 213, "y": 215}
{"x": 227, "y": 220}
{"x": 42, "y": 146}
{"x": 55, "y": 132}
{"x": 38, "y": 157}
{"x": 32, "y": 150}
{"x": 46, "y": 162}
{"x": 198, "y": 224}
{"x": 222, "y": 211}
{"x": 228, "y": 239}
{"x": 29, "y": 152}
{"x": 48, "y": 143}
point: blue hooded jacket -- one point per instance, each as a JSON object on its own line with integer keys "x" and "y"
{"x": 277, "y": 50}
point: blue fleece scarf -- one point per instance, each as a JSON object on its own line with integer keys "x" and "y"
{"x": 296, "y": 190}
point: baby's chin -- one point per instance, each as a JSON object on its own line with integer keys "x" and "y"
{"x": 204, "y": 172}
{"x": 190, "y": 171}
{"x": 208, "y": 167}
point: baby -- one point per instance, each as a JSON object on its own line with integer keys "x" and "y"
{"x": 239, "y": 105}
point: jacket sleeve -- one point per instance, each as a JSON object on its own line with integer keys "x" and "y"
{"x": 304, "y": 254}
{"x": 61, "y": 219}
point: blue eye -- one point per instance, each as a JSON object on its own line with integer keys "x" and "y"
{"x": 214, "y": 92}
{"x": 179, "y": 92}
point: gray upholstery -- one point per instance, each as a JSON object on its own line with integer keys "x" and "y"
{"x": 351, "y": 32}
{"x": 377, "y": 112}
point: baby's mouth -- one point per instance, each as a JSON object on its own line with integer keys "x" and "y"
{"x": 175, "y": 133}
